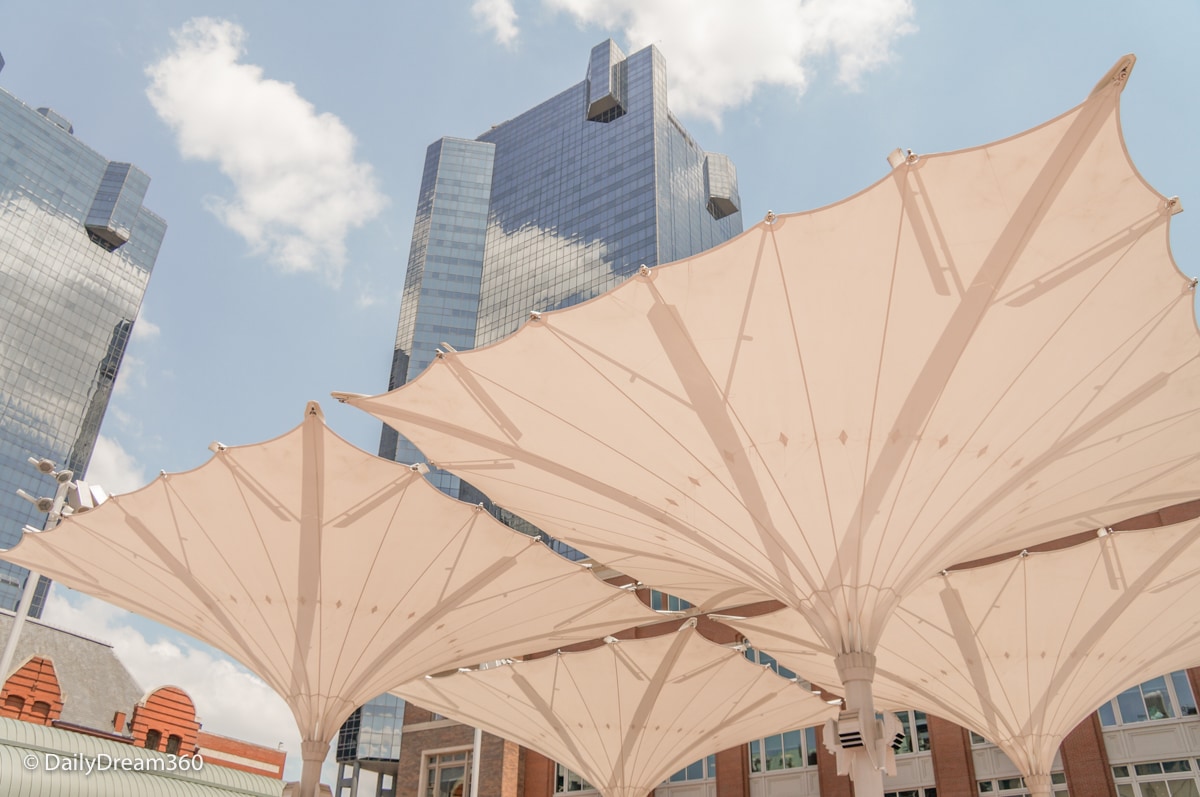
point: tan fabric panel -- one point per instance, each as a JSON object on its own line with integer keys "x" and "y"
{"x": 627, "y": 714}
{"x": 332, "y": 574}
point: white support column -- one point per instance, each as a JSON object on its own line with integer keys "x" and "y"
{"x": 475, "y": 750}
{"x": 313, "y": 753}
{"x": 1039, "y": 785}
{"x": 857, "y": 671}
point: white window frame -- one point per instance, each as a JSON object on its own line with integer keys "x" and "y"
{"x": 426, "y": 755}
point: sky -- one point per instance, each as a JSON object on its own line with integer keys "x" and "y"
{"x": 285, "y": 144}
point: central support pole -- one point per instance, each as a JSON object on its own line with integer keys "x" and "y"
{"x": 1039, "y": 785}
{"x": 857, "y": 671}
{"x": 313, "y": 753}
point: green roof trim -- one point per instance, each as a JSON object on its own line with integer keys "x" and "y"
{"x": 36, "y": 760}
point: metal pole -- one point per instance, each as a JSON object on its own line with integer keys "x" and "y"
{"x": 31, "y": 581}
{"x": 475, "y": 762}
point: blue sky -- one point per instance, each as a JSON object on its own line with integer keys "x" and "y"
{"x": 285, "y": 143}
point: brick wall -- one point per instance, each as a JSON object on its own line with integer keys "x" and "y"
{"x": 170, "y": 712}
{"x": 32, "y": 693}
{"x": 733, "y": 772}
{"x": 1085, "y": 761}
{"x": 538, "y": 775}
{"x": 236, "y": 754}
{"x": 953, "y": 763}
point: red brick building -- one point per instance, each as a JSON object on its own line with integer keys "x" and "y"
{"x": 67, "y": 681}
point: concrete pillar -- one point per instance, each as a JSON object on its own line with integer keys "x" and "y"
{"x": 953, "y": 762}
{"x": 1086, "y": 761}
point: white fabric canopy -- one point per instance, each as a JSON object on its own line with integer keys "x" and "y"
{"x": 626, "y": 715}
{"x": 985, "y": 350}
{"x": 332, "y": 574}
{"x": 1023, "y": 650}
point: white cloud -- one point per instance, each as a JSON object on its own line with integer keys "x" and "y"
{"x": 500, "y": 17}
{"x": 229, "y": 700}
{"x": 144, "y": 328}
{"x": 131, "y": 374}
{"x": 719, "y": 53}
{"x": 299, "y": 190}
{"x": 114, "y": 468}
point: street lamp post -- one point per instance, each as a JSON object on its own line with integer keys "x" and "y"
{"x": 69, "y": 497}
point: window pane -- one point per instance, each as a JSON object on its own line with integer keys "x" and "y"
{"x": 1183, "y": 691}
{"x": 1132, "y": 707}
{"x": 712, "y": 767}
{"x": 906, "y": 746}
{"x": 977, "y": 739}
{"x": 810, "y": 743}
{"x": 1158, "y": 702}
{"x": 1157, "y": 788}
{"x": 1120, "y": 772}
{"x": 922, "y": 728}
{"x": 774, "y": 751}
{"x": 1153, "y": 768}
{"x": 985, "y": 786}
{"x": 1184, "y": 788}
{"x": 1011, "y": 783}
{"x": 1125, "y": 790}
{"x": 695, "y": 770}
{"x": 1176, "y": 766}
{"x": 450, "y": 782}
{"x": 1108, "y": 717}
{"x": 755, "y": 757}
{"x": 791, "y": 750}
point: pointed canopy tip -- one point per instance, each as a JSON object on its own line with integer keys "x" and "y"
{"x": 313, "y": 410}
{"x": 343, "y": 397}
{"x": 1119, "y": 74}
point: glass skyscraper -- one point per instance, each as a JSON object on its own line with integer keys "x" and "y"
{"x": 552, "y": 208}
{"x": 76, "y": 251}
{"x": 546, "y": 210}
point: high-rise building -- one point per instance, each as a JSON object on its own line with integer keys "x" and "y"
{"x": 546, "y": 210}
{"x": 76, "y": 251}
{"x": 551, "y": 208}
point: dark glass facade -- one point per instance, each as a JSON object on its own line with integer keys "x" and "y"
{"x": 373, "y": 731}
{"x": 76, "y": 252}
{"x": 551, "y": 208}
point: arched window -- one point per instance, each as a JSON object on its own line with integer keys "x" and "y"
{"x": 173, "y": 743}
{"x": 41, "y": 711}
{"x": 153, "y": 739}
{"x": 14, "y": 704}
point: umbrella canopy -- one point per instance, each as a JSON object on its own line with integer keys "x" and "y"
{"x": 332, "y": 574}
{"x": 985, "y": 350}
{"x": 664, "y": 702}
{"x": 1022, "y": 650}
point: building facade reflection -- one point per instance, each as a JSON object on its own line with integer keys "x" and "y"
{"x": 76, "y": 251}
